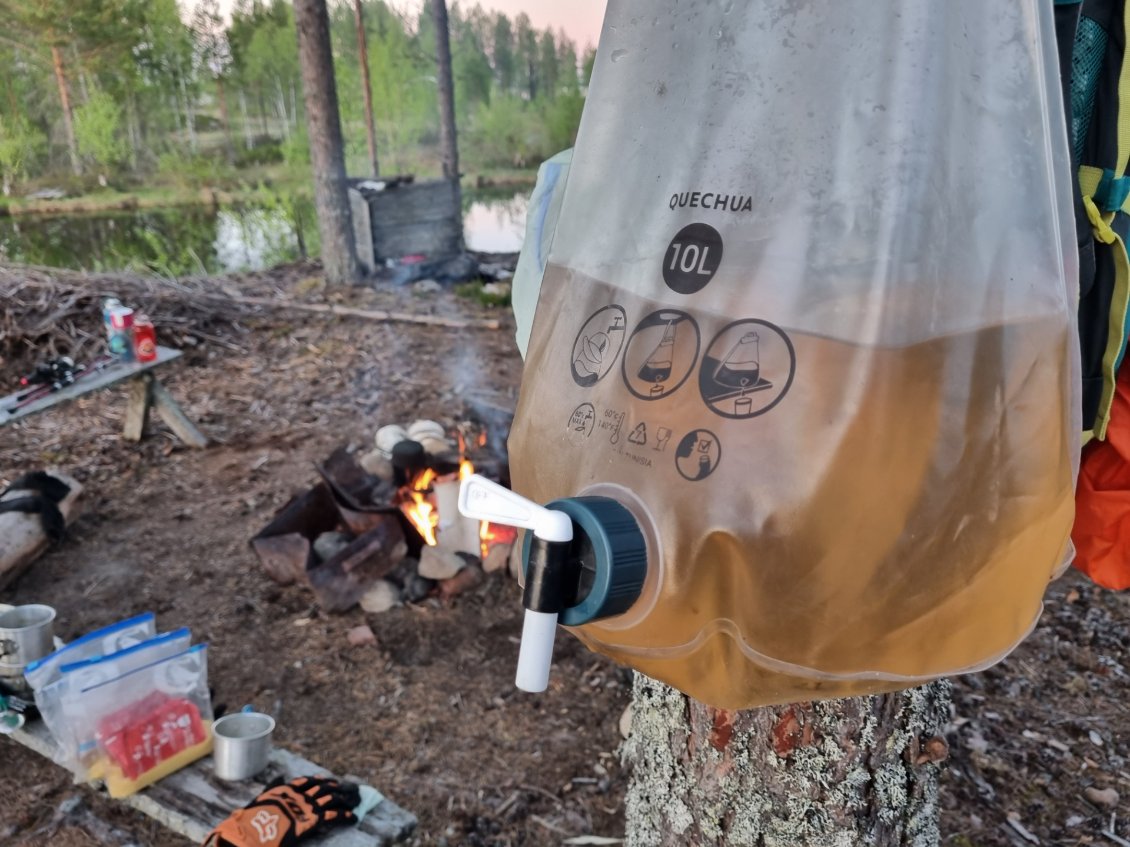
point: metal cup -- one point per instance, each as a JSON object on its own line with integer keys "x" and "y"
{"x": 241, "y": 744}
{"x": 27, "y": 633}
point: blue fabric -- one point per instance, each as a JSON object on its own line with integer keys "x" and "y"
{"x": 1111, "y": 193}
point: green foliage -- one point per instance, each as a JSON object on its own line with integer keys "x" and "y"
{"x": 475, "y": 291}
{"x": 268, "y": 152}
{"x": 20, "y": 143}
{"x": 97, "y": 125}
{"x": 190, "y": 171}
{"x": 511, "y": 132}
{"x": 145, "y": 80}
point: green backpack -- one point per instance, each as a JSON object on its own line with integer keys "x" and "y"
{"x": 1092, "y": 37}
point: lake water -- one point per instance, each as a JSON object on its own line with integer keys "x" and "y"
{"x": 196, "y": 240}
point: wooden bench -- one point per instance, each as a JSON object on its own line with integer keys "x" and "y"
{"x": 146, "y": 393}
{"x": 192, "y": 801}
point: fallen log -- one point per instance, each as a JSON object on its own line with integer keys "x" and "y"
{"x": 368, "y": 314}
{"x": 22, "y": 535}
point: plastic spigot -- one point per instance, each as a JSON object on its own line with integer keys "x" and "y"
{"x": 484, "y": 500}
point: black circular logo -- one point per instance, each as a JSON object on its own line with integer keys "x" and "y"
{"x": 692, "y": 258}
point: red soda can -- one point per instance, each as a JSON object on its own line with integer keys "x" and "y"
{"x": 144, "y": 339}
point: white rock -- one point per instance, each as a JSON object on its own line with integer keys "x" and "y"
{"x": 380, "y": 597}
{"x": 516, "y": 563}
{"x": 388, "y": 437}
{"x": 1106, "y": 797}
{"x": 626, "y": 721}
{"x": 498, "y": 558}
{"x": 376, "y": 463}
{"x": 419, "y": 430}
{"x": 440, "y": 563}
{"x": 436, "y": 446}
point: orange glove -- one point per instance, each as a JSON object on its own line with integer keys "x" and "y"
{"x": 284, "y": 813}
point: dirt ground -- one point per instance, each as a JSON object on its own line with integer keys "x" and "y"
{"x": 429, "y": 715}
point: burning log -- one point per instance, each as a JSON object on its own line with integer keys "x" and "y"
{"x": 341, "y": 581}
{"x": 467, "y": 579}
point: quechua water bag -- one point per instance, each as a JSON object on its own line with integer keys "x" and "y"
{"x": 809, "y": 316}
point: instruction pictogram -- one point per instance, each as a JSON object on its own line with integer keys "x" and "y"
{"x": 597, "y": 345}
{"x": 639, "y": 435}
{"x": 611, "y": 422}
{"x": 661, "y": 354}
{"x": 662, "y": 436}
{"x": 582, "y": 421}
{"x": 747, "y": 369}
{"x": 698, "y": 454}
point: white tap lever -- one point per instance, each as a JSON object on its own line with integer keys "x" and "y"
{"x": 484, "y": 500}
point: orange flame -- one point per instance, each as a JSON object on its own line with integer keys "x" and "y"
{"x": 491, "y": 534}
{"x": 419, "y": 510}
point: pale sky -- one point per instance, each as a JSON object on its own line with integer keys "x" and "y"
{"x": 581, "y": 19}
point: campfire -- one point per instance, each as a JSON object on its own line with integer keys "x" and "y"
{"x": 384, "y": 527}
{"x": 430, "y": 503}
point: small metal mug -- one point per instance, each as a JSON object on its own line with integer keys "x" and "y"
{"x": 27, "y": 633}
{"x": 241, "y": 744}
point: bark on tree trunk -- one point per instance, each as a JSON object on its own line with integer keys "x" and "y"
{"x": 83, "y": 91}
{"x": 280, "y": 108}
{"x": 133, "y": 132}
{"x": 327, "y": 152}
{"x": 263, "y": 126}
{"x": 222, "y": 100}
{"x": 189, "y": 118}
{"x": 840, "y": 773}
{"x": 244, "y": 120}
{"x": 68, "y": 112}
{"x": 366, "y": 86}
{"x": 449, "y": 146}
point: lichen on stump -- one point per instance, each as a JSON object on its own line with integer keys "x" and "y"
{"x": 836, "y": 773}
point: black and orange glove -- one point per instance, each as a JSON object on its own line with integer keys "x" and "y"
{"x": 284, "y": 813}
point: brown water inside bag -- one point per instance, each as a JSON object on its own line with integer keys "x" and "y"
{"x": 896, "y": 516}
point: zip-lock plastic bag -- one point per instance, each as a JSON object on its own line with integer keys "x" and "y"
{"x": 61, "y": 705}
{"x": 145, "y": 724}
{"x": 809, "y": 315}
{"x": 101, "y": 642}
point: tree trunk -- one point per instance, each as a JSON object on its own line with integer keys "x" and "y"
{"x": 263, "y": 125}
{"x": 222, "y": 100}
{"x": 366, "y": 86}
{"x": 327, "y": 153}
{"x": 189, "y": 119}
{"x": 449, "y": 146}
{"x": 68, "y": 112}
{"x": 84, "y": 92}
{"x": 838, "y": 772}
{"x": 244, "y": 120}
{"x": 280, "y": 108}
{"x": 133, "y": 132}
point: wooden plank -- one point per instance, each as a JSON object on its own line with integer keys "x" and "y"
{"x": 171, "y": 413}
{"x": 192, "y": 801}
{"x": 111, "y": 375}
{"x": 137, "y": 412}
